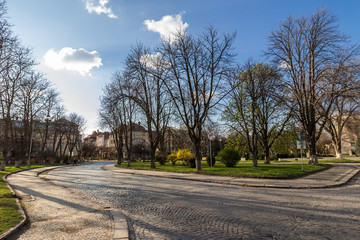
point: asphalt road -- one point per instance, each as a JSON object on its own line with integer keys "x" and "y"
{"x": 160, "y": 208}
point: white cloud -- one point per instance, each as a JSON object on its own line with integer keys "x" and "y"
{"x": 284, "y": 66}
{"x": 98, "y": 6}
{"x": 167, "y": 26}
{"x": 77, "y": 60}
{"x": 154, "y": 61}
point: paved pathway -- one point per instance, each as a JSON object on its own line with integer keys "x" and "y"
{"x": 165, "y": 208}
{"x": 57, "y": 213}
{"x": 86, "y": 202}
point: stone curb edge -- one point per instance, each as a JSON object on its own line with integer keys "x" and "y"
{"x": 348, "y": 178}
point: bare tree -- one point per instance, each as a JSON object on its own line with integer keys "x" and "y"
{"x": 308, "y": 50}
{"x": 346, "y": 106}
{"x": 117, "y": 113}
{"x": 31, "y": 103}
{"x": 12, "y": 78}
{"x": 73, "y": 132}
{"x": 148, "y": 75}
{"x": 57, "y": 132}
{"x": 51, "y": 102}
{"x": 198, "y": 68}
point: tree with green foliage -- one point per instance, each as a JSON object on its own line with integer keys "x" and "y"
{"x": 256, "y": 109}
{"x": 229, "y": 156}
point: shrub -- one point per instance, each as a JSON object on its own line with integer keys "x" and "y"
{"x": 191, "y": 162}
{"x": 161, "y": 157}
{"x": 184, "y": 155}
{"x": 356, "y": 148}
{"x": 212, "y": 160}
{"x": 173, "y": 158}
{"x": 229, "y": 156}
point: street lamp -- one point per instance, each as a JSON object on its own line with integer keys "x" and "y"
{"x": 30, "y": 147}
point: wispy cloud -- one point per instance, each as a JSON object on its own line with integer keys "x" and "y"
{"x": 98, "y": 6}
{"x": 154, "y": 61}
{"x": 167, "y": 26}
{"x": 76, "y": 60}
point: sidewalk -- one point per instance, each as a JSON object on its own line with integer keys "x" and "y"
{"x": 55, "y": 212}
{"x": 337, "y": 175}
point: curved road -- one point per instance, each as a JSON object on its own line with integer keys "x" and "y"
{"x": 160, "y": 208}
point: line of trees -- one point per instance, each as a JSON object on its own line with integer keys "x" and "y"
{"x": 26, "y": 99}
{"x": 180, "y": 83}
{"x": 311, "y": 84}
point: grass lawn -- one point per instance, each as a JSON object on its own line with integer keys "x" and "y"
{"x": 242, "y": 169}
{"x": 340, "y": 160}
{"x": 9, "y": 214}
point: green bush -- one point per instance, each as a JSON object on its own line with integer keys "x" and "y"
{"x": 161, "y": 157}
{"x": 229, "y": 156}
{"x": 212, "y": 160}
{"x": 191, "y": 163}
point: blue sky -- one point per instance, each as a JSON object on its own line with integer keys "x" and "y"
{"x": 79, "y": 44}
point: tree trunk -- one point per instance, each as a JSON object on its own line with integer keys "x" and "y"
{"x": 338, "y": 150}
{"x": 118, "y": 159}
{"x": 152, "y": 155}
{"x": 119, "y": 155}
{"x": 198, "y": 158}
{"x": 267, "y": 156}
{"x": 255, "y": 160}
{"x": 3, "y": 165}
{"x": 313, "y": 156}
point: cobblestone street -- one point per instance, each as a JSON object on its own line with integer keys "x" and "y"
{"x": 160, "y": 208}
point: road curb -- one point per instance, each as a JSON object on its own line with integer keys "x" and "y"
{"x": 121, "y": 229}
{"x": 344, "y": 180}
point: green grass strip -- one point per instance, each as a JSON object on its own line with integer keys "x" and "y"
{"x": 242, "y": 169}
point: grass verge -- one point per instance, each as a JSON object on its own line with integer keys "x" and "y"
{"x": 339, "y": 160}
{"x": 9, "y": 214}
{"x": 242, "y": 169}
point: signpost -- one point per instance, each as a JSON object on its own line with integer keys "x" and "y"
{"x": 211, "y": 138}
{"x": 301, "y": 145}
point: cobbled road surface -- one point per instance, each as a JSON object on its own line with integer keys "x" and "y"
{"x": 160, "y": 208}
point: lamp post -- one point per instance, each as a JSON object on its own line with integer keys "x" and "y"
{"x": 31, "y": 141}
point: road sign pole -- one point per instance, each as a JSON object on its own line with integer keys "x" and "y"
{"x": 210, "y": 156}
{"x": 301, "y": 143}
{"x": 210, "y": 137}
{"x": 302, "y": 165}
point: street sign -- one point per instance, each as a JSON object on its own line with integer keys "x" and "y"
{"x": 300, "y": 144}
{"x": 301, "y": 135}
{"x": 211, "y": 136}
